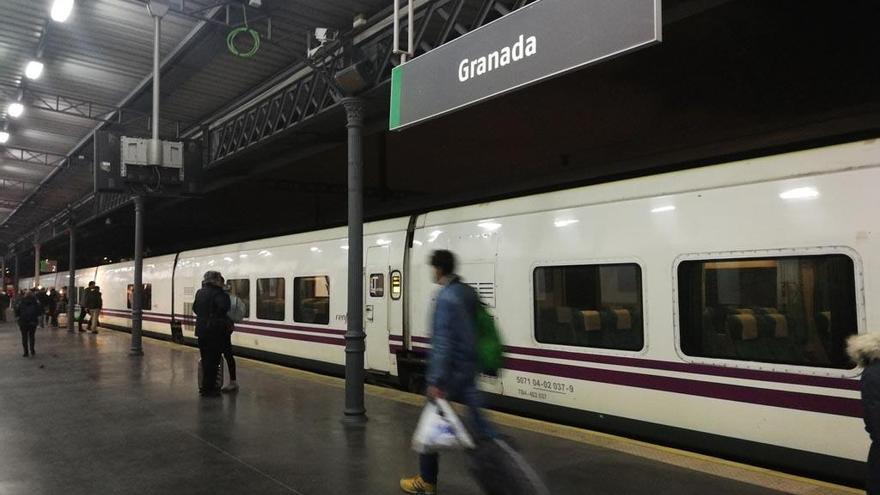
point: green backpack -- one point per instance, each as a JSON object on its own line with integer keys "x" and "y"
{"x": 490, "y": 349}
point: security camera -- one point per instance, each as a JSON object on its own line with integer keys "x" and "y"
{"x": 323, "y": 35}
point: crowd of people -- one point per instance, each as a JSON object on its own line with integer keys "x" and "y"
{"x": 40, "y": 307}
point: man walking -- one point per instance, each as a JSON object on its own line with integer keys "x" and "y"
{"x": 211, "y": 306}
{"x": 452, "y": 364}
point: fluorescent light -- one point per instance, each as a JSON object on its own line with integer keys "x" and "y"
{"x": 383, "y": 242}
{"x": 226, "y": 259}
{"x": 661, "y": 209}
{"x": 61, "y": 10}
{"x": 565, "y": 223}
{"x": 15, "y": 109}
{"x": 800, "y": 193}
{"x": 34, "y": 69}
{"x": 242, "y": 256}
{"x": 4, "y": 137}
{"x": 344, "y": 247}
{"x": 489, "y": 225}
{"x": 314, "y": 249}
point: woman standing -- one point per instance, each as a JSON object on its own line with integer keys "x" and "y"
{"x": 27, "y": 312}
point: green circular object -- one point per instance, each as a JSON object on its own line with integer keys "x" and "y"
{"x": 230, "y": 42}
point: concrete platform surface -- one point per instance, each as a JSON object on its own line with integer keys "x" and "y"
{"x": 82, "y": 417}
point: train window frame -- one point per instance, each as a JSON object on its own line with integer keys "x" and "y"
{"x": 858, "y": 277}
{"x": 630, "y": 260}
{"x": 294, "y": 297}
{"x": 256, "y": 313}
{"x": 147, "y": 296}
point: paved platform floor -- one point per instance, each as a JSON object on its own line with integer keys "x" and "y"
{"x": 82, "y": 417}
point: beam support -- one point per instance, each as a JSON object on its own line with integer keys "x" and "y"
{"x": 355, "y": 345}
{"x": 138, "y": 289}
{"x": 71, "y": 281}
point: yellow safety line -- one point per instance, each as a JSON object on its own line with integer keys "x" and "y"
{"x": 763, "y": 477}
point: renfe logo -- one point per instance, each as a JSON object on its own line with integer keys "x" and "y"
{"x": 525, "y": 47}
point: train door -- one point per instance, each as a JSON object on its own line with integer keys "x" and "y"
{"x": 376, "y": 308}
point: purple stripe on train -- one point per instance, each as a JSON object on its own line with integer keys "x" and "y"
{"x": 778, "y": 398}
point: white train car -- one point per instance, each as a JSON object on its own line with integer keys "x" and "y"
{"x": 705, "y": 308}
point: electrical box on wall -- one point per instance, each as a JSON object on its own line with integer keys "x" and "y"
{"x": 123, "y": 164}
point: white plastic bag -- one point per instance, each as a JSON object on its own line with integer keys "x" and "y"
{"x": 440, "y": 428}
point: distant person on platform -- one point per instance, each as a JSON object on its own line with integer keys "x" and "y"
{"x": 43, "y": 299}
{"x": 86, "y": 305}
{"x": 52, "y": 310}
{"x": 211, "y": 306}
{"x": 97, "y": 305}
{"x": 27, "y": 312}
{"x": 4, "y": 303}
{"x": 865, "y": 351}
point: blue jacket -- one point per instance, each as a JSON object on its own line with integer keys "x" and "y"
{"x": 452, "y": 364}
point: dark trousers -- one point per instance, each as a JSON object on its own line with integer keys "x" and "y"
{"x": 230, "y": 359}
{"x": 82, "y": 316}
{"x": 873, "y": 481}
{"x": 477, "y": 424}
{"x": 210, "y": 349}
{"x": 28, "y": 337}
{"x": 53, "y": 316}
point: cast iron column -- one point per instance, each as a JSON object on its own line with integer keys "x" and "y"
{"x": 354, "y": 335}
{"x": 138, "y": 289}
{"x": 71, "y": 281}
{"x": 15, "y": 278}
{"x": 36, "y": 264}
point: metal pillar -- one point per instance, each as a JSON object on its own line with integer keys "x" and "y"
{"x": 157, "y": 10}
{"x": 15, "y": 278}
{"x": 354, "y": 335}
{"x": 71, "y": 282}
{"x": 36, "y": 264}
{"x": 137, "y": 292}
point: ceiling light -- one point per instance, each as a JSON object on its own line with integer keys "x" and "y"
{"x": 61, "y": 10}
{"x": 34, "y": 69}
{"x": 662, "y": 209}
{"x": 4, "y": 137}
{"x": 800, "y": 193}
{"x": 15, "y": 109}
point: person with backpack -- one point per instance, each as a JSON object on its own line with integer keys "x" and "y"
{"x": 453, "y": 363}
{"x": 237, "y": 310}
{"x": 88, "y": 302}
{"x": 211, "y": 305}
{"x": 27, "y": 312}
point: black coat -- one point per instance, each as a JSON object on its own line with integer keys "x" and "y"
{"x": 28, "y": 311}
{"x": 211, "y": 306}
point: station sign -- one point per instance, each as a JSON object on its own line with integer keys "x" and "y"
{"x": 545, "y": 39}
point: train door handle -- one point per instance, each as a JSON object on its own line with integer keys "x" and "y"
{"x": 369, "y": 312}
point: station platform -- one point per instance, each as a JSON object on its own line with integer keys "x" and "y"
{"x": 83, "y": 417}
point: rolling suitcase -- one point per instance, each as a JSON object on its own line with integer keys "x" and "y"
{"x": 219, "y": 381}
{"x": 500, "y": 470}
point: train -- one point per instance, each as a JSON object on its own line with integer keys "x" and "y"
{"x": 705, "y": 308}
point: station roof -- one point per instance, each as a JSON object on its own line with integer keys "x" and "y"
{"x": 98, "y": 73}
{"x": 732, "y": 79}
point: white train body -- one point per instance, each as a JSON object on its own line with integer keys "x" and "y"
{"x": 729, "y": 211}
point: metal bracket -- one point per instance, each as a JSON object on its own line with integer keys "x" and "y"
{"x": 410, "y": 51}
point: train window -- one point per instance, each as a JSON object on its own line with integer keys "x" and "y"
{"x": 377, "y": 285}
{"x": 590, "y": 306}
{"x": 241, "y": 288}
{"x": 311, "y": 300}
{"x": 148, "y": 296}
{"x": 270, "y": 298}
{"x": 790, "y": 310}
